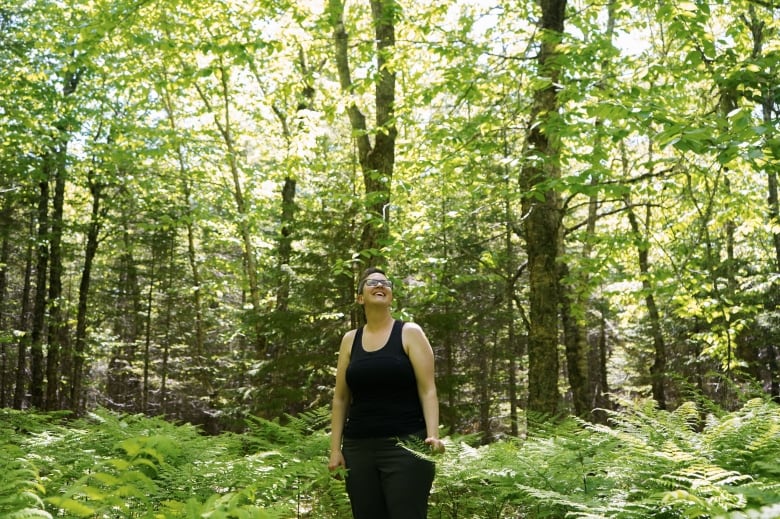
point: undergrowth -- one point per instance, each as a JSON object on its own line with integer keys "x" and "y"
{"x": 646, "y": 464}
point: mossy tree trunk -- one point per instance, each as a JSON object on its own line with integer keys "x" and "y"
{"x": 542, "y": 219}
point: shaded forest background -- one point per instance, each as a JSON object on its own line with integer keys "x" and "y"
{"x": 576, "y": 200}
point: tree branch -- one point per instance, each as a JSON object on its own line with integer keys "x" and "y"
{"x": 356, "y": 117}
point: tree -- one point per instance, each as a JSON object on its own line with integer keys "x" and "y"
{"x": 97, "y": 216}
{"x": 376, "y": 160}
{"x": 542, "y": 217}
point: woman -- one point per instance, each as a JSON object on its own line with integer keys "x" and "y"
{"x": 385, "y": 394}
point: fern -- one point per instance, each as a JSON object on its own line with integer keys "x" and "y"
{"x": 749, "y": 439}
{"x": 766, "y": 512}
{"x": 20, "y": 486}
{"x": 295, "y": 456}
{"x": 648, "y": 463}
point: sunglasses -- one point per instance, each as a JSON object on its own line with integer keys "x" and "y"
{"x": 378, "y": 282}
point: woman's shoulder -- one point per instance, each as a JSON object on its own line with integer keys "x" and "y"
{"x": 347, "y": 340}
{"x": 411, "y": 327}
{"x": 412, "y": 333}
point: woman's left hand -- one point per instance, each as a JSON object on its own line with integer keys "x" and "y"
{"x": 437, "y": 446}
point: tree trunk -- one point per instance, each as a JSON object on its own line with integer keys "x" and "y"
{"x": 599, "y": 374}
{"x": 170, "y": 301}
{"x": 285, "y": 243}
{"x": 21, "y": 351}
{"x": 79, "y": 349}
{"x": 148, "y": 330}
{"x": 542, "y": 221}
{"x": 449, "y": 388}
{"x": 58, "y": 334}
{"x": 57, "y": 331}
{"x": 511, "y": 340}
{"x": 377, "y": 161}
{"x": 197, "y": 292}
{"x": 514, "y": 421}
{"x": 5, "y": 252}
{"x": 774, "y": 212}
{"x": 658, "y": 369}
{"x": 577, "y": 348}
{"x": 122, "y": 383}
{"x": 483, "y": 389}
{"x": 39, "y": 307}
{"x": 774, "y": 219}
{"x": 598, "y": 347}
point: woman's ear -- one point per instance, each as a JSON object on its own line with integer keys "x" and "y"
{"x": 359, "y": 299}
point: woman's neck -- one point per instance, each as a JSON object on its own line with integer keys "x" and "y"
{"x": 378, "y": 317}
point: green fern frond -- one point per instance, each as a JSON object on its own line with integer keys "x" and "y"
{"x": 747, "y": 440}
{"x": 29, "y": 513}
{"x": 417, "y": 447}
{"x": 266, "y": 434}
{"x": 568, "y": 506}
{"x": 20, "y": 486}
{"x": 72, "y": 506}
{"x": 309, "y": 421}
{"x": 765, "y": 512}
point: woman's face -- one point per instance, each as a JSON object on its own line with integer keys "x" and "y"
{"x": 377, "y": 289}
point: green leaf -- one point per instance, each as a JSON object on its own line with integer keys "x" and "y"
{"x": 72, "y": 506}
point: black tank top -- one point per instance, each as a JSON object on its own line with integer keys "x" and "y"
{"x": 385, "y": 402}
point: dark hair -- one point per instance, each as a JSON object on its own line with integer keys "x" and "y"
{"x": 366, "y": 273}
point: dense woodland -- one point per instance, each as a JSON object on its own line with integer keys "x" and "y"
{"x": 578, "y": 202}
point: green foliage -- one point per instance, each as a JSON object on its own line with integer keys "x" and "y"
{"x": 108, "y": 465}
{"x": 671, "y": 111}
{"x": 646, "y": 464}
{"x": 20, "y": 487}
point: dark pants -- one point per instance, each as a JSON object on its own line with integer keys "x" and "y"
{"x": 385, "y": 480}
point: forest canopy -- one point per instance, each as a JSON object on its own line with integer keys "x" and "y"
{"x": 577, "y": 201}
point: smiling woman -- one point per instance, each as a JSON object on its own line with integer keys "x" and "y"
{"x": 385, "y": 393}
